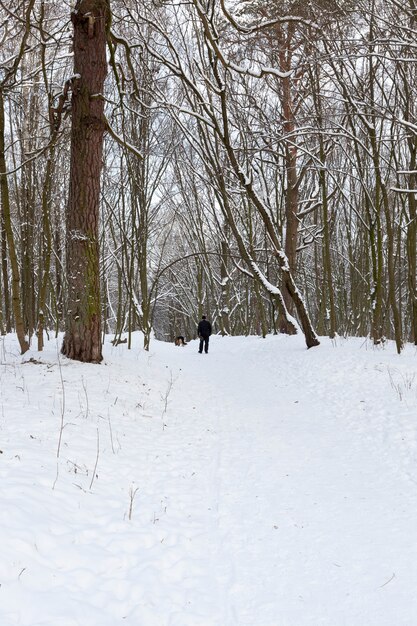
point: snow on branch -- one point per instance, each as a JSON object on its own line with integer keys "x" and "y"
{"x": 274, "y": 291}
{"x": 253, "y": 28}
{"x": 122, "y": 142}
{"x": 212, "y": 38}
{"x": 399, "y": 190}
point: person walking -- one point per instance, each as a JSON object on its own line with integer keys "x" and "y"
{"x": 204, "y": 332}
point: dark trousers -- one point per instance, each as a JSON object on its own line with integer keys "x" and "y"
{"x": 203, "y": 341}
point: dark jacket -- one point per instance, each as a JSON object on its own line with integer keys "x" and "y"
{"x": 204, "y": 328}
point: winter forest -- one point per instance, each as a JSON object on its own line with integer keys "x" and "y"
{"x": 249, "y": 161}
{"x": 252, "y": 160}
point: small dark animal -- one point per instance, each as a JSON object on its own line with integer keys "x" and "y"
{"x": 179, "y": 341}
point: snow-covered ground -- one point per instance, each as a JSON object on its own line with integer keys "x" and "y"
{"x": 259, "y": 485}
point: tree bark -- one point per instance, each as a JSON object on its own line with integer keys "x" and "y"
{"x": 7, "y": 220}
{"x": 82, "y": 339}
{"x": 5, "y": 275}
{"x": 411, "y": 250}
{"x": 224, "y": 276}
{"x": 290, "y": 146}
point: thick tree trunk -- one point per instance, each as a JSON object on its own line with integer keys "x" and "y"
{"x": 82, "y": 339}
{"x": 224, "y": 276}
{"x": 411, "y": 255}
{"x": 5, "y": 275}
{"x": 291, "y": 196}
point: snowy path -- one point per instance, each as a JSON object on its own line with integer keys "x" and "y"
{"x": 312, "y": 520}
{"x": 275, "y": 487}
